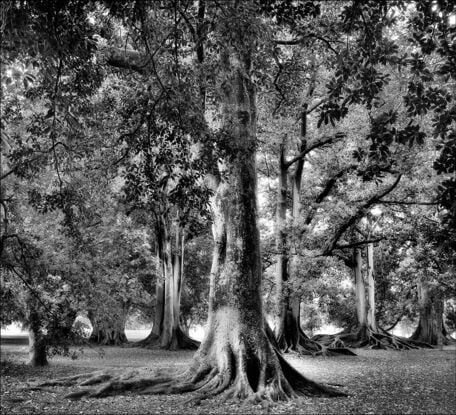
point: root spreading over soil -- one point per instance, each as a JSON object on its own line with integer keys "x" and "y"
{"x": 366, "y": 337}
{"x": 226, "y": 365}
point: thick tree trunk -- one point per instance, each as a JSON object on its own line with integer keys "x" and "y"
{"x": 37, "y": 341}
{"x": 431, "y": 329}
{"x": 236, "y": 353}
{"x": 237, "y": 357}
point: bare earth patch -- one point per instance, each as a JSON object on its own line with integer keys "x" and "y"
{"x": 378, "y": 381}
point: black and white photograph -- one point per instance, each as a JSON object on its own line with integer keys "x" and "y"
{"x": 228, "y": 207}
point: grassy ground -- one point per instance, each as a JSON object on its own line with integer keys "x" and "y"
{"x": 418, "y": 381}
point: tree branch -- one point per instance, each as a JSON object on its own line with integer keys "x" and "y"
{"x": 356, "y": 216}
{"x": 327, "y": 189}
{"x": 300, "y": 40}
{"x": 359, "y": 243}
{"x": 321, "y": 143}
{"x": 402, "y": 202}
{"x": 316, "y": 105}
{"x": 125, "y": 58}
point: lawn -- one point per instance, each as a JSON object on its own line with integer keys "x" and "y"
{"x": 417, "y": 381}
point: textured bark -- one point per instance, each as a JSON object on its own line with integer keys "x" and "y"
{"x": 431, "y": 329}
{"x": 37, "y": 342}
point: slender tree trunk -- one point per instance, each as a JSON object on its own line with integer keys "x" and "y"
{"x": 288, "y": 331}
{"x": 159, "y": 292}
{"x": 168, "y": 317}
{"x": 167, "y": 332}
{"x": 371, "y": 317}
{"x": 281, "y": 298}
{"x": 360, "y": 290}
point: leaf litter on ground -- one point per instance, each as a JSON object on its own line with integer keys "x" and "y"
{"x": 377, "y": 381}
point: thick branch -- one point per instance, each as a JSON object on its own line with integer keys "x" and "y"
{"x": 356, "y": 216}
{"x": 125, "y": 58}
{"x": 403, "y": 202}
{"x": 301, "y": 40}
{"x": 307, "y": 150}
{"x": 327, "y": 189}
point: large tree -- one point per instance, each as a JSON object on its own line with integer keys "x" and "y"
{"x": 238, "y": 356}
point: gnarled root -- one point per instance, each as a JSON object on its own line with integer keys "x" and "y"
{"x": 303, "y": 345}
{"x": 369, "y": 338}
{"x": 232, "y": 369}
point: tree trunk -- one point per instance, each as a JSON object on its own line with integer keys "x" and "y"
{"x": 366, "y": 333}
{"x": 431, "y": 329}
{"x": 108, "y": 331}
{"x": 360, "y": 290}
{"x": 281, "y": 297}
{"x": 159, "y": 295}
{"x": 236, "y": 354}
{"x": 37, "y": 341}
{"x": 288, "y": 331}
{"x": 166, "y": 332}
{"x": 237, "y": 357}
{"x": 371, "y": 317}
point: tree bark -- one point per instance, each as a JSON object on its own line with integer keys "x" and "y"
{"x": 281, "y": 298}
{"x": 371, "y": 317}
{"x": 166, "y": 331}
{"x": 37, "y": 341}
{"x": 236, "y": 349}
{"x": 431, "y": 329}
{"x": 360, "y": 290}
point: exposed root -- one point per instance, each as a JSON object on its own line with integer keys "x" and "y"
{"x": 233, "y": 371}
{"x": 152, "y": 341}
{"x": 178, "y": 341}
{"x": 431, "y": 337}
{"x": 366, "y": 337}
{"x": 108, "y": 337}
{"x": 303, "y": 345}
